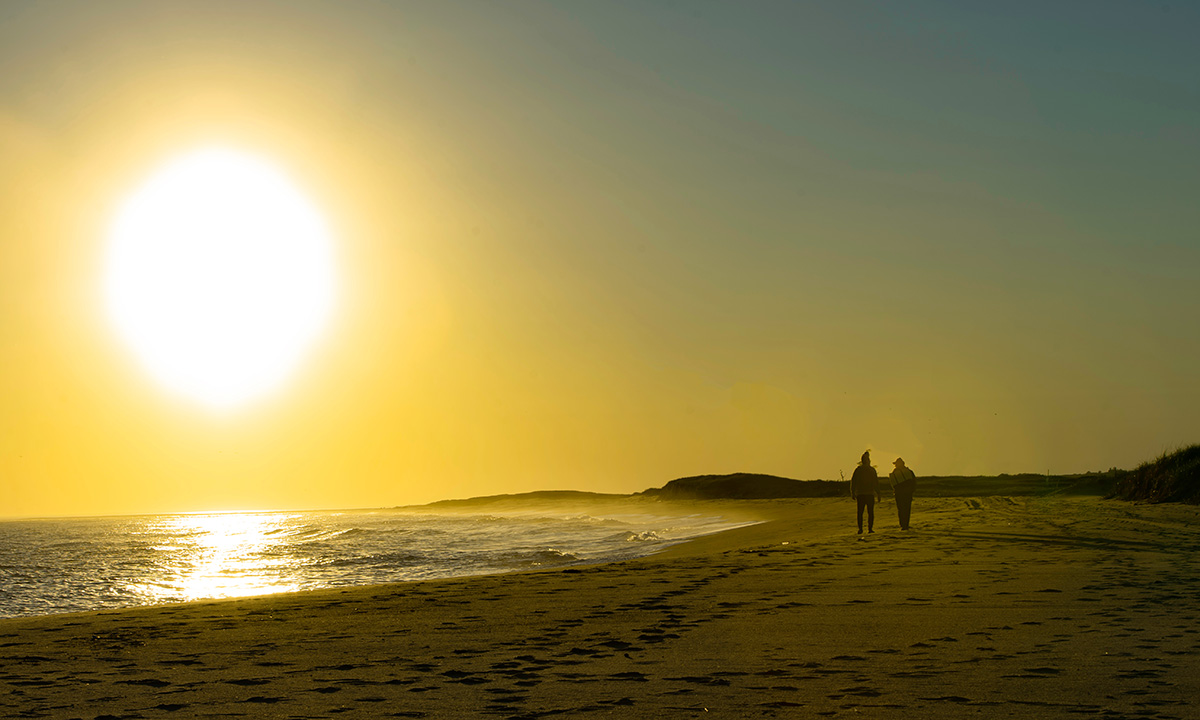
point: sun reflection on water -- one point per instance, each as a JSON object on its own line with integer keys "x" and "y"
{"x": 223, "y": 555}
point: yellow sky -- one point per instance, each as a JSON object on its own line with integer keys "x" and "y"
{"x": 601, "y": 248}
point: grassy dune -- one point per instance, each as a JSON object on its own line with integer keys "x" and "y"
{"x": 1172, "y": 477}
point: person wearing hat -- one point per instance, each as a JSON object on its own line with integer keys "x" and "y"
{"x": 864, "y": 486}
{"x": 904, "y": 482}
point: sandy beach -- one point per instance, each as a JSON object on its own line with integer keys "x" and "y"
{"x": 989, "y": 607}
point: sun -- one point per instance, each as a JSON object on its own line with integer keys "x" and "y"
{"x": 219, "y": 276}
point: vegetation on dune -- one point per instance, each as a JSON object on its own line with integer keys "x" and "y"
{"x": 1173, "y": 477}
{"x": 744, "y": 486}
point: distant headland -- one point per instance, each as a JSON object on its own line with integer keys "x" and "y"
{"x": 1172, "y": 477}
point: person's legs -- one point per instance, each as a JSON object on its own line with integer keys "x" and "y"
{"x": 870, "y": 513}
{"x": 862, "y": 503}
{"x": 904, "y": 506}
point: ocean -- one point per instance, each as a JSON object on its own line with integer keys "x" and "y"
{"x": 78, "y": 564}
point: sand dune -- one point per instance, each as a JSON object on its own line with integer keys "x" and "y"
{"x": 991, "y": 607}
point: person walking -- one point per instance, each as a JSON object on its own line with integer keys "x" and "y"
{"x": 864, "y": 486}
{"x": 904, "y": 483}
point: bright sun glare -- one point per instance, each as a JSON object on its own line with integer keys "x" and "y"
{"x": 219, "y": 276}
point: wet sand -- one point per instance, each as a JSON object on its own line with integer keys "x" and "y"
{"x": 989, "y": 607}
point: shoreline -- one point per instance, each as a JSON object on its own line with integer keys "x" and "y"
{"x": 527, "y": 536}
{"x": 1013, "y": 607}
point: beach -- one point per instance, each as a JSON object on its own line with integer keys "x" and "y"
{"x": 991, "y": 606}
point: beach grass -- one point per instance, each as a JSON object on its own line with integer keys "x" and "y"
{"x": 1172, "y": 477}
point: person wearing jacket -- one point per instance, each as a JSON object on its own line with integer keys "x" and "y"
{"x": 904, "y": 482}
{"x": 864, "y": 487}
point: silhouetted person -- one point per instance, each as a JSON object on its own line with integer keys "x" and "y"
{"x": 864, "y": 486}
{"x": 904, "y": 482}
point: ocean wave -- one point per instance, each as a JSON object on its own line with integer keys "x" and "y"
{"x": 549, "y": 556}
{"x": 393, "y": 559}
{"x": 643, "y": 536}
{"x": 314, "y": 533}
{"x": 593, "y": 520}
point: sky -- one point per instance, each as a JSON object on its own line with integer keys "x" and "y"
{"x": 599, "y": 246}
